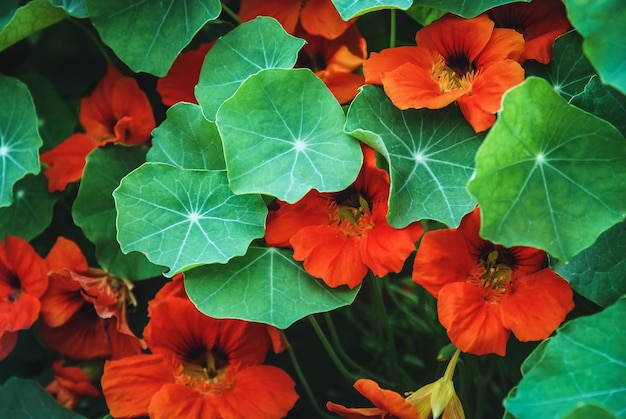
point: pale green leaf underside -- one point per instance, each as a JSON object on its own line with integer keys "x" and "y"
{"x": 28, "y": 19}
{"x": 584, "y": 363}
{"x": 430, "y": 155}
{"x": 94, "y": 210}
{"x": 148, "y": 34}
{"x": 465, "y": 8}
{"x": 234, "y": 58}
{"x": 282, "y": 134}
{"x": 569, "y": 70}
{"x": 187, "y": 140}
{"x": 19, "y": 137}
{"x": 602, "y": 25}
{"x": 352, "y": 8}
{"x": 266, "y": 285}
{"x": 599, "y": 272}
{"x": 31, "y": 211}
{"x": 184, "y": 218}
{"x": 549, "y": 175}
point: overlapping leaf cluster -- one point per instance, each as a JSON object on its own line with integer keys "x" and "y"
{"x": 549, "y": 174}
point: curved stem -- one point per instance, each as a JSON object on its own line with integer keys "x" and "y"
{"x": 232, "y": 14}
{"x": 331, "y": 352}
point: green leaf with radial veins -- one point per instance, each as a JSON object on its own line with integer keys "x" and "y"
{"x": 19, "y": 137}
{"x": 549, "y": 175}
{"x": 282, "y": 134}
{"x": 185, "y": 218}
{"x": 465, "y": 8}
{"x": 584, "y": 363}
{"x": 599, "y": 272}
{"x": 94, "y": 210}
{"x": 28, "y": 19}
{"x": 31, "y": 211}
{"x": 352, "y": 8}
{"x": 266, "y": 285}
{"x": 430, "y": 155}
{"x": 569, "y": 70}
{"x": 148, "y": 35}
{"x": 602, "y": 25}
{"x": 234, "y": 58}
{"x": 603, "y": 101}
{"x": 187, "y": 140}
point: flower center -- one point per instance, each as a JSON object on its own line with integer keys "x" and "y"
{"x": 494, "y": 276}
{"x": 206, "y": 372}
{"x": 452, "y": 74}
{"x": 351, "y": 212}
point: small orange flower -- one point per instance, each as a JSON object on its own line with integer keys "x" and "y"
{"x": 181, "y": 79}
{"x": 486, "y": 291}
{"x": 340, "y": 236}
{"x": 23, "y": 281}
{"x": 317, "y": 17}
{"x": 540, "y": 22}
{"x": 334, "y": 61}
{"x": 199, "y": 367}
{"x": 117, "y": 111}
{"x": 70, "y": 385}
{"x": 84, "y": 309}
{"x": 456, "y": 59}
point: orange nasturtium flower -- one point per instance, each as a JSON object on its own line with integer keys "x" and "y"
{"x": 23, "y": 281}
{"x": 117, "y": 111}
{"x": 334, "y": 61}
{"x": 181, "y": 79}
{"x": 199, "y": 367}
{"x": 456, "y": 59}
{"x": 70, "y": 385}
{"x": 317, "y": 17}
{"x": 84, "y": 309}
{"x": 340, "y": 236}
{"x": 486, "y": 291}
{"x": 540, "y": 22}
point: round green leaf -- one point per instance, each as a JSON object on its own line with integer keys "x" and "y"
{"x": 28, "y": 19}
{"x": 31, "y": 212}
{"x": 234, "y": 58}
{"x": 76, "y": 8}
{"x": 148, "y": 34}
{"x": 94, "y": 210}
{"x": 569, "y": 70}
{"x": 266, "y": 285}
{"x": 584, "y": 363}
{"x": 282, "y": 134}
{"x": 184, "y": 218}
{"x": 430, "y": 155}
{"x": 603, "y": 101}
{"x": 19, "y": 137}
{"x": 602, "y": 25}
{"x": 599, "y": 272}
{"x": 466, "y": 8}
{"x": 350, "y": 8}
{"x": 549, "y": 175}
{"x": 187, "y": 140}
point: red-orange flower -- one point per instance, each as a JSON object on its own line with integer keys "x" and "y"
{"x": 84, "y": 309}
{"x": 456, "y": 59}
{"x": 334, "y": 61}
{"x": 70, "y": 385}
{"x": 317, "y": 17}
{"x": 486, "y": 291}
{"x": 340, "y": 236}
{"x": 540, "y": 22}
{"x": 23, "y": 281}
{"x": 181, "y": 79}
{"x": 199, "y": 367}
{"x": 389, "y": 404}
{"x": 117, "y": 111}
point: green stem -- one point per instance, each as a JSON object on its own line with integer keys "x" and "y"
{"x": 392, "y": 30}
{"x": 331, "y": 352}
{"x": 305, "y": 385}
{"x": 232, "y": 14}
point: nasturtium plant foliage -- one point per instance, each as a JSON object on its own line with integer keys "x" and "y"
{"x": 246, "y": 208}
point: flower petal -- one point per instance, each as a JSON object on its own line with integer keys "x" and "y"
{"x": 286, "y": 12}
{"x": 288, "y": 219}
{"x": 392, "y": 58}
{"x": 537, "y": 305}
{"x": 473, "y": 325}
{"x": 320, "y": 17}
{"x": 66, "y": 161}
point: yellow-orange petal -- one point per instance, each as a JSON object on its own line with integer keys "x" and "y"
{"x": 537, "y": 304}
{"x": 66, "y": 161}
{"x": 320, "y": 17}
{"x": 391, "y": 58}
{"x": 473, "y": 325}
{"x": 504, "y": 44}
